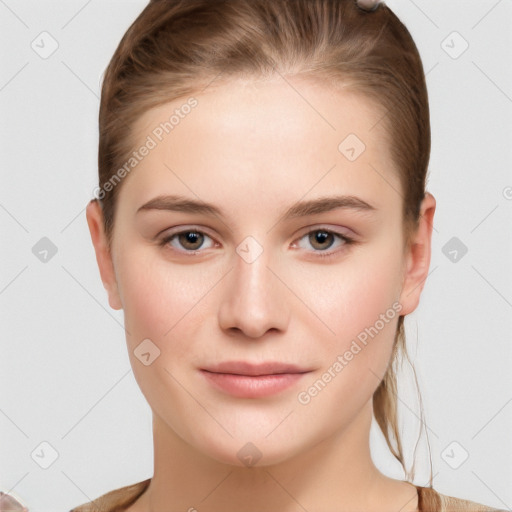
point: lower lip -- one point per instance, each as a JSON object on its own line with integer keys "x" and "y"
{"x": 245, "y": 386}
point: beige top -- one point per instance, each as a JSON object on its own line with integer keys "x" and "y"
{"x": 429, "y": 500}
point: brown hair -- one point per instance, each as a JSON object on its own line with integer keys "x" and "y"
{"x": 177, "y": 47}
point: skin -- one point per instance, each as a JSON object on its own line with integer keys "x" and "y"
{"x": 255, "y": 148}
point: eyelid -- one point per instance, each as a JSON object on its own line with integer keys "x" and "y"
{"x": 176, "y": 230}
{"x": 337, "y": 230}
{"x": 346, "y": 242}
{"x": 165, "y": 241}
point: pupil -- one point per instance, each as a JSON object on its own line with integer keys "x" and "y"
{"x": 321, "y": 237}
{"x": 192, "y": 238}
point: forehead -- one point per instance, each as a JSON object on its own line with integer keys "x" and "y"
{"x": 284, "y": 106}
{"x": 279, "y": 136}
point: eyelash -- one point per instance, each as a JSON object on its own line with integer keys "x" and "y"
{"x": 347, "y": 241}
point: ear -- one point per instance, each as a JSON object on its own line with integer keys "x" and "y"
{"x": 418, "y": 257}
{"x": 94, "y": 216}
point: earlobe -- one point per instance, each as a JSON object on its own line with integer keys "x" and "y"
{"x": 94, "y": 217}
{"x": 418, "y": 257}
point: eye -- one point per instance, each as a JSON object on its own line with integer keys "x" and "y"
{"x": 323, "y": 239}
{"x": 190, "y": 240}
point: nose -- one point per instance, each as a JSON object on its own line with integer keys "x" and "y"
{"x": 254, "y": 299}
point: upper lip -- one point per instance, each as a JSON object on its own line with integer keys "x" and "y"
{"x": 246, "y": 368}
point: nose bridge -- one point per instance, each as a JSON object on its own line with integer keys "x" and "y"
{"x": 253, "y": 301}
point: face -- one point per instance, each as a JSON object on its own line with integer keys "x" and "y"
{"x": 298, "y": 259}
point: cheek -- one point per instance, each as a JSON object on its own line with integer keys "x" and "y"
{"x": 357, "y": 302}
{"x": 351, "y": 295}
{"x": 363, "y": 311}
{"x": 160, "y": 297}
{"x": 163, "y": 303}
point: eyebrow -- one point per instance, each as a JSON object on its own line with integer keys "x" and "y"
{"x": 300, "y": 209}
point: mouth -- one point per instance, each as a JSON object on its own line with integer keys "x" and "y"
{"x": 254, "y": 370}
{"x": 247, "y": 380}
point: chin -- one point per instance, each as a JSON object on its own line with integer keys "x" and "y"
{"x": 252, "y": 452}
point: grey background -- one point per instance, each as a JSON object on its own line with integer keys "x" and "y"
{"x": 65, "y": 377}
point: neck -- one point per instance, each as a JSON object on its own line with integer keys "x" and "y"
{"x": 335, "y": 474}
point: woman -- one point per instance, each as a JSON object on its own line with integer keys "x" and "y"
{"x": 262, "y": 220}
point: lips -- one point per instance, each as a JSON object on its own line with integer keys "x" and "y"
{"x": 242, "y": 379}
{"x": 252, "y": 369}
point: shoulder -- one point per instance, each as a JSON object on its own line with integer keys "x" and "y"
{"x": 430, "y": 500}
{"x": 115, "y": 501}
